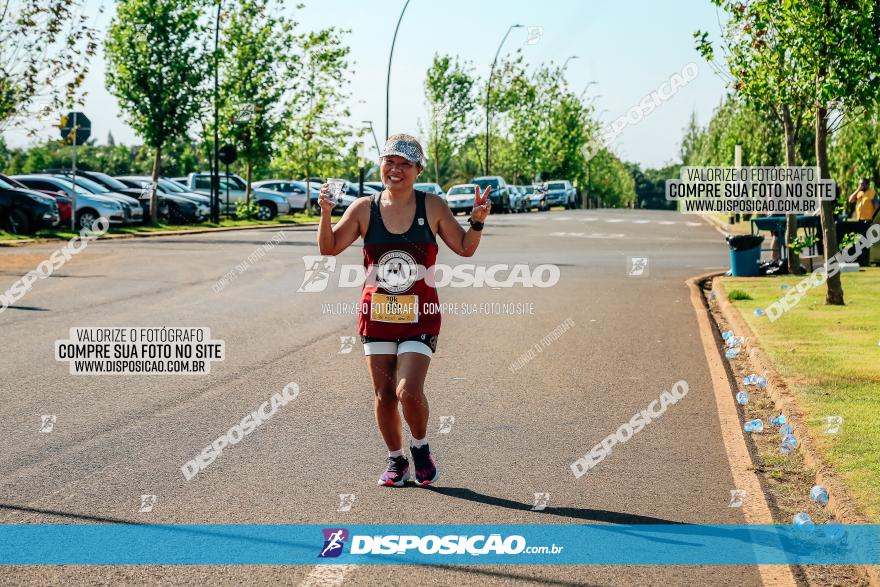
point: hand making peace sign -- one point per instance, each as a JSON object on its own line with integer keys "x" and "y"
{"x": 482, "y": 204}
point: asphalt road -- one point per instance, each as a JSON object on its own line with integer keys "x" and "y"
{"x": 515, "y": 434}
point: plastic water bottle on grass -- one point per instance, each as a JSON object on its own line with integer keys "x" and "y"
{"x": 785, "y": 430}
{"x": 726, "y": 334}
{"x": 742, "y": 398}
{"x": 731, "y": 353}
{"x": 759, "y": 312}
{"x": 754, "y": 426}
{"x": 778, "y": 420}
{"x": 789, "y": 443}
{"x": 760, "y": 381}
{"x": 749, "y": 379}
{"x": 802, "y": 519}
{"x": 819, "y": 495}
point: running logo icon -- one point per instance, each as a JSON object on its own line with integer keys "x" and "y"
{"x": 148, "y": 502}
{"x": 638, "y": 267}
{"x": 346, "y": 344}
{"x": 737, "y": 497}
{"x": 541, "y": 501}
{"x": 48, "y": 422}
{"x": 318, "y": 270}
{"x": 446, "y": 423}
{"x": 334, "y": 540}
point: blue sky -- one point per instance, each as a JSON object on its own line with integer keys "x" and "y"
{"x": 627, "y": 47}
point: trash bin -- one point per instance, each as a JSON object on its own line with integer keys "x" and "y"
{"x": 745, "y": 254}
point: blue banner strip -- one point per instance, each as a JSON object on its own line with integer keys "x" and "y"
{"x": 534, "y": 544}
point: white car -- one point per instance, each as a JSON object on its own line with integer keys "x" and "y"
{"x": 294, "y": 190}
{"x": 460, "y": 198}
{"x": 431, "y": 188}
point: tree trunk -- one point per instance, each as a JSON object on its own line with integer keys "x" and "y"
{"x": 794, "y": 262}
{"x": 834, "y": 293}
{"x": 154, "y": 198}
{"x": 248, "y": 175}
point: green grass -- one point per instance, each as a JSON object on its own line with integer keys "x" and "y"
{"x": 831, "y": 359}
{"x": 60, "y": 233}
{"x": 738, "y": 294}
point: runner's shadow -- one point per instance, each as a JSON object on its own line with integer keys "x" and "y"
{"x": 592, "y": 515}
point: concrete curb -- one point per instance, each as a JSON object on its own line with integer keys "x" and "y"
{"x": 22, "y": 242}
{"x": 755, "y": 509}
{"x": 840, "y": 503}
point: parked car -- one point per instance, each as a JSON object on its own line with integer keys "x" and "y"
{"x": 65, "y": 204}
{"x": 517, "y": 199}
{"x": 269, "y": 203}
{"x": 165, "y": 186}
{"x": 132, "y": 210}
{"x": 89, "y": 207}
{"x": 460, "y": 198}
{"x": 109, "y": 187}
{"x": 499, "y": 195}
{"x": 176, "y": 205}
{"x": 376, "y": 185}
{"x": 24, "y": 211}
{"x": 539, "y": 198}
{"x": 526, "y": 192}
{"x": 431, "y": 188}
{"x": 560, "y": 193}
{"x": 294, "y": 190}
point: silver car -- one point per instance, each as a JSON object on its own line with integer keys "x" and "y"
{"x": 460, "y": 198}
{"x": 294, "y": 190}
{"x": 89, "y": 207}
{"x": 431, "y": 188}
{"x": 131, "y": 207}
{"x": 233, "y": 189}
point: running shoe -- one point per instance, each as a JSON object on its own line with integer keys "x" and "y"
{"x": 423, "y": 461}
{"x": 397, "y": 472}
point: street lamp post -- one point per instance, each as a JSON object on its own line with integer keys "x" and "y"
{"x": 372, "y": 130}
{"x": 215, "y": 172}
{"x": 388, "y": 78}
{"x": 569, "y": 58}
{"x": 489, "y": 87}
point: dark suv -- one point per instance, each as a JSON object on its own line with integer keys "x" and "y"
{"x": 499, "y": 195}
{"x": 26, "y": 211}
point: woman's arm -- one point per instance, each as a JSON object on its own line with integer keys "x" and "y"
{"x": 332, "y": 240}
{"x": 462, "y": 242}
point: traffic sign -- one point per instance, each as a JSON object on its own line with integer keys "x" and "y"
{"x": 227, "y": 154}
{"x": 76, "y": 128}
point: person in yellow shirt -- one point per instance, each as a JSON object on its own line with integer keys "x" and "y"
{"x": 865, "y": 200}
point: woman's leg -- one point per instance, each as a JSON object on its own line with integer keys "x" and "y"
{"x": 382, "y": 371}
{"x": 412, "y": 368}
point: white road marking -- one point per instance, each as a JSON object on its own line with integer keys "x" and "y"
{"x": 584, "y": 235}
{"x": 327, "y": 576}
{"x": 589, "y": 219}
{"x": 614, "y": 220}
{"x": 563, "y": 218}
{"x": 640, "y": 221}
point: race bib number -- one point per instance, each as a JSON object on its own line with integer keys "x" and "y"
{"x": 397, "y": 309}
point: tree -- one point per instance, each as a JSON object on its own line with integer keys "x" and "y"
{"x": 45, "y": 48}
{"x": 315, "y": 133}
{"x": 258, "y": 62}
{"x": 765, "y": 70}
{"x": 156, "y": 68}
{"x": 449, "y": 89}
{"x": 838, "y": 43}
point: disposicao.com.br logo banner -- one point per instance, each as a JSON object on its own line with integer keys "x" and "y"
{"x": 455, "y": 544}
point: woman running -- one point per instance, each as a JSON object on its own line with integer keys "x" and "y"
{"x": 399, "y": 315}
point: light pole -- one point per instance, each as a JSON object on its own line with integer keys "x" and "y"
{"x": 370, "y": 122}
{"x": 388, "y": 78}
{"x": 215, "y": 172}
{"x": 489, "y": 87}
{"x": 587, "y": 87}
{"x": 569, "y": 58}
